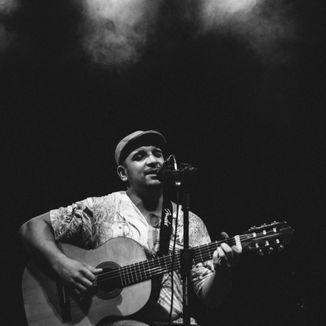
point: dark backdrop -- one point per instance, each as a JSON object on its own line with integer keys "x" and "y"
{"x": 256, "y": 132}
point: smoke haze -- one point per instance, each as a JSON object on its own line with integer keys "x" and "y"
{"x": 116, "y": 31}
{"x": 215, "y": 12}
{"x": 7, "y": 8}
{"x": 266, "y": 25}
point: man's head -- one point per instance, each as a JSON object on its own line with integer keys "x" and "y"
{"x": 137, "y": 139}
{"x": 138, "y": 155}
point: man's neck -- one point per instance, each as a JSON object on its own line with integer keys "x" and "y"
{"x": 150, "y": 201}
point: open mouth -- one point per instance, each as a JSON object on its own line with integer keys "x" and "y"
{"x": 152, "y": 172}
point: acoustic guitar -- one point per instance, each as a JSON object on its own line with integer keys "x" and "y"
{"x": 124, "y": 285}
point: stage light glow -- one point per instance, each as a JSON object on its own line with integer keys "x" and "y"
{"x": 115, "y": 31}
{"x": 7, "y": 8}
{"x": 229, "y": 7}
{"x": 265, "y": 25}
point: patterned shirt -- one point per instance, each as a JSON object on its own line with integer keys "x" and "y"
{"x": 93, "y": 221}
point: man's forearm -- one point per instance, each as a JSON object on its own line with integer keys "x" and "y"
{"x": 216, "y": 288}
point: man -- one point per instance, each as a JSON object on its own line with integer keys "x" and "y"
{"x": 135, "y": 213}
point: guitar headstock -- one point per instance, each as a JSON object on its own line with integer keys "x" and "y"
{"x": 267, "y": 238}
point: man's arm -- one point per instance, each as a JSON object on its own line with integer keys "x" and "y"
{"x": 218, "y": 286}
{"x": 38, "y": 237}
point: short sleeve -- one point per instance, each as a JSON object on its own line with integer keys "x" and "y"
{"x": 74, "y": 223}
{"x": 198, "y": 234}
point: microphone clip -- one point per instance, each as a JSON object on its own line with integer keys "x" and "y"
{"x": 170, "y": 172}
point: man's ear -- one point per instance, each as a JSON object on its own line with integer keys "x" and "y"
{"x": 122, "y": 173}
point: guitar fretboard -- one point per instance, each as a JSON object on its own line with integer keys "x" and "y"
{"x": 144, "y": 270}
{"x": 264, "y": 237}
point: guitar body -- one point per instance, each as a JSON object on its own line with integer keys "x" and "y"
{"x": 124, "y": 285}
{"x": 47, "y": 302}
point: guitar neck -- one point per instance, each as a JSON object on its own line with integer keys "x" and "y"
{"x": 148, "y": 269}
{"x": 261, "y": 239}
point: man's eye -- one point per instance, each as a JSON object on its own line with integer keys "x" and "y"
{"x": 138, "y": 156}
{"x": 158, "y": 154}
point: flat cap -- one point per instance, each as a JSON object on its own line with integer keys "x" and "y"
{"x": 136, "y": 139}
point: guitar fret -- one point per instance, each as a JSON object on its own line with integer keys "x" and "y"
{"x": 146, "y": 270}
{"x": 201, "y": 256}
{"x": 126, "y": 274}
{"x": 141, "y": 271}
{"x": 133, "y": 274}
{"x": 130, "y": 274}
{"x": 122, "y": 277}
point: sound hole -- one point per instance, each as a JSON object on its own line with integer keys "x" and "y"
{"x": 108, "y": 282}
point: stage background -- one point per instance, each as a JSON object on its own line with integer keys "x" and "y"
{"x": 254, "y": 127}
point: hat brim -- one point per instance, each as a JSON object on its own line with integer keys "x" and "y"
{"x": 147, "y": 138}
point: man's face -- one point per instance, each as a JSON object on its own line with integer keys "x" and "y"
{"x": 140, "y": 166}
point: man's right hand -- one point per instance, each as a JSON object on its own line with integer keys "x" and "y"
{"x": 79, "y": 276}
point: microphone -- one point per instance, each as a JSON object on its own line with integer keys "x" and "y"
{"x": 170, "y": 171}
{"x": 169, "y": 165}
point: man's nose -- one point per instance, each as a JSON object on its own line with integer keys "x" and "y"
{"x": 152, "y": 160}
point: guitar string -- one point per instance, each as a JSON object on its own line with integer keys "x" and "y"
{"x": 129, "y": 277}
{"x": 138, "y": 264}
{"x": 154, "y": 267}
{"x": 151, "y": 268}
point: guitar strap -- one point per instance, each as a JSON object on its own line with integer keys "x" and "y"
{"x": 166, "y": 227}
{"x": 165, "y": 235}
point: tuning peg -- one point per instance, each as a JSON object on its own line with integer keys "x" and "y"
{"x": 280, "y": 247}
{"x": 253, "y": 228}
{"x": 270, "y": 250}
{"x": 260, "y": 252}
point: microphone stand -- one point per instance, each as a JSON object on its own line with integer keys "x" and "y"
{"x": 186, "y": 258}
{"x": 181, "y": 178}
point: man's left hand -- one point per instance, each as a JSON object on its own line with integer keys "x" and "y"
{"x": 226, "y": 256}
